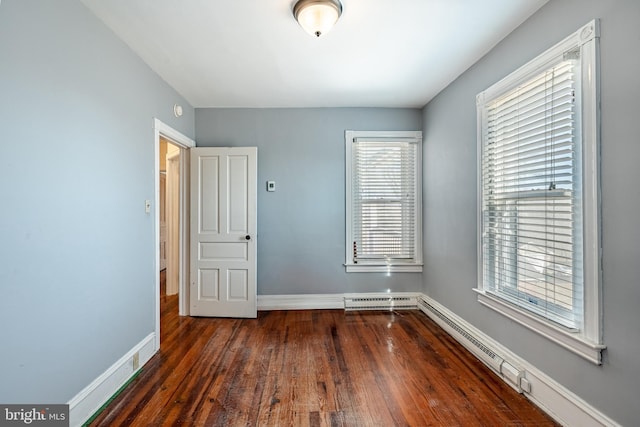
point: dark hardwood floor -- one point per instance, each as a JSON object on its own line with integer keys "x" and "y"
{"x": 315, "y": 368}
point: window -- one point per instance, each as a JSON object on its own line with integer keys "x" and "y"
{"x": 539, "y": 260}
{"x": 384, "y": 201}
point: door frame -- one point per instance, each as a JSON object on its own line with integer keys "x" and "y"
{"x": 161, "y": 129}
{"x": 172, "y": 251}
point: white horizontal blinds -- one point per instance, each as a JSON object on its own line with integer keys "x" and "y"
{"x": 531, "y": 196}
{"x": 384, "y": 200}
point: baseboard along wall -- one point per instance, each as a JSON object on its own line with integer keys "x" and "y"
{"x": 83, "y": 405}
{"x": 556, "y": 400}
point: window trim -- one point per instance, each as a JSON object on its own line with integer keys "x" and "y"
{"x": 372, "y": 266}
{"x": 588, "y": 341}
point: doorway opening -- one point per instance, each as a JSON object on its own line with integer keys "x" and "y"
{"x": 171, "y": 217}
{"x": 169, "y": 212}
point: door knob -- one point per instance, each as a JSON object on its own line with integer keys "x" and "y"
{"x": 247, "y": 237}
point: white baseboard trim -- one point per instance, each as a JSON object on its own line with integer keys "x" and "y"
{"x": 83, "y": 405}
{"x": 556, "y": 400}
{"x": 300, "y": 302}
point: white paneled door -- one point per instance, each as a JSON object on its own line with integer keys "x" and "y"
{"x": 223, "y": 232}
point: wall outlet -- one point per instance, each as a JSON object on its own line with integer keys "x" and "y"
{"x": 136, "y": 361}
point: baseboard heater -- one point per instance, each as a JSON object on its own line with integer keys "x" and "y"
{"x": 387, "y": 302}
{"x": 514, "y": 376}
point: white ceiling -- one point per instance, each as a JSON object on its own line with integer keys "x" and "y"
{"x": 252, "y": 53}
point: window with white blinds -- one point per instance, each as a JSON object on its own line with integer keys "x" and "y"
{"x": 531, "y": 200}
{"x": 538, "y": 176}
{"x": 383, "y": 201}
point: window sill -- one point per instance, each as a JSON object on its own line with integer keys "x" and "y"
{"x": 383, "y": 268}
{"x": 572, "y": 341}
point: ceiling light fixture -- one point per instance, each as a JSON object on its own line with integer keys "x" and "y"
{"x": 317, "y": 17}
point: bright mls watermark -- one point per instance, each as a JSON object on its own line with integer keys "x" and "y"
{"x": 34, "y": 415}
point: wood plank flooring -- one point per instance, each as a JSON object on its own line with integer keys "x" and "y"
{"x": 315, "y": 368}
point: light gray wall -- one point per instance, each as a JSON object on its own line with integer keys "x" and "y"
{"x": 450, "y": 200}
{"x": 301, "y": 226}
{"x": 76, "y": 247}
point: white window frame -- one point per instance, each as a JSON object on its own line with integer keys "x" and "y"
{"x": 382, "y": 266}
{"x": 587, "y": 340}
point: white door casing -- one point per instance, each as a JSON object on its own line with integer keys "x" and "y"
{"x": 223, "y": 232}
{"x": 163, "y": 131}
{"x": 163, "y": 222}
{"x": 172, "y": 214}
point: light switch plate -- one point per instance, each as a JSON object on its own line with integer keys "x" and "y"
{"x": 271, "y": 186}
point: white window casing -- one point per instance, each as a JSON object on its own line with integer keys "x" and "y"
{"x": 383, "y": 201}
{"x": 539, "y": 260}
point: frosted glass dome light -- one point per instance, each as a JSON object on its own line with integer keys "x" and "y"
{"x": 317, "y": 17}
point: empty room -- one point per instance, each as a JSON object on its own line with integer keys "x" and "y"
{"x": 319, "y": 212}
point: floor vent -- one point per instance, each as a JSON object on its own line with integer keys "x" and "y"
{"x": 381, "y": 303}
{"x": 514, "y": 376}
